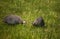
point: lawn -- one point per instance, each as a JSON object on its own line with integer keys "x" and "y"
{"x": 29, "y": 10}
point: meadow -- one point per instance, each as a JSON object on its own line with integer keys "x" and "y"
{"x": 29, "y": 10}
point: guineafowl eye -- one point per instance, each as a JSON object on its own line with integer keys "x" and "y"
{"x": 13, "y": 19}
{"x": 39, "y": 22}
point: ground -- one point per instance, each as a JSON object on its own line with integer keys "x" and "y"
{"x": 29, "y": 10}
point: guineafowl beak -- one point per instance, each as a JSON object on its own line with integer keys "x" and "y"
{"x": 24, "y": 22}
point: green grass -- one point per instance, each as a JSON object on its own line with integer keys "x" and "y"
{"x": 29, "y": 10}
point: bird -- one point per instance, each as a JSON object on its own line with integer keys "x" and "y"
{"x": 39, "y": 22}
{"x": 13, "y": 19}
